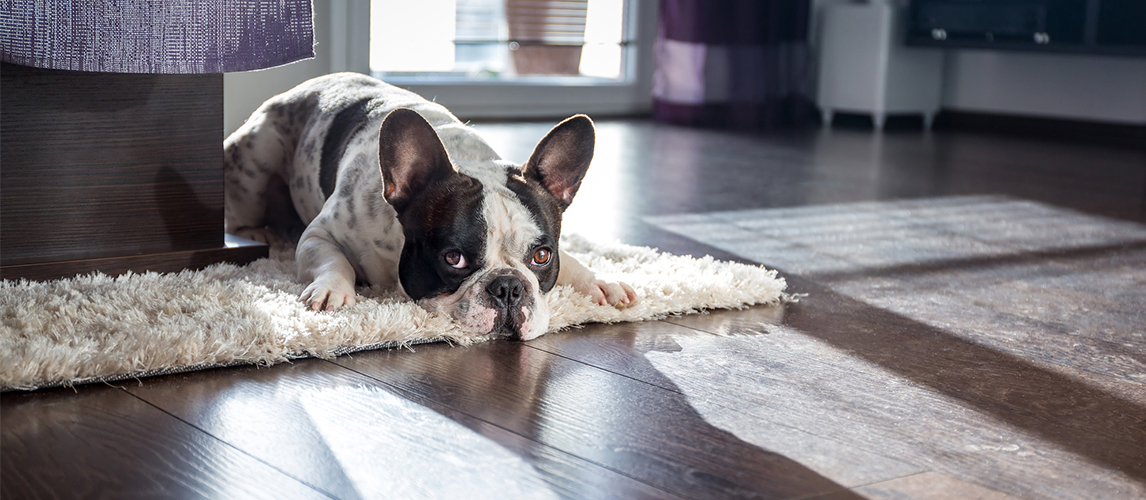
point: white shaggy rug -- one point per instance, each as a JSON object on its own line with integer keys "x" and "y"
{"x": 101, "y": 328}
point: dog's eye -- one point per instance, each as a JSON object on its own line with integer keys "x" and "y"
{"x": 455, "y": 259}
{"x": 542, "y": 256}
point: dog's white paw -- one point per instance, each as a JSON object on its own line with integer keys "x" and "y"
{"x": 326, "y": 297}
{"x": 608, "y": 292}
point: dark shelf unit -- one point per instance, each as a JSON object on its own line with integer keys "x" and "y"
{"x": 1106, "y": 27}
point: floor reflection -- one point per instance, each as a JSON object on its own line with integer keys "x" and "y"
{"x": 100, "y": 442}
{"x": 346, "y": 435}
{"x": 390, "y": 447}
{"x": 1025, "y": 313}
{"x": 639, "y": 430}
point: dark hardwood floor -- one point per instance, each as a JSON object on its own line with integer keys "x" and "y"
{"x": 967, "y": 365}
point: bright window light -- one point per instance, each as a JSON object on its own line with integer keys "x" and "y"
{"x": 472, "y": 38}
{"x": 408, "y": 36}
{"x": 604, "y": 26}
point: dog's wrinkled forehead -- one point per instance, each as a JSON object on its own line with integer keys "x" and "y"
{"x": 511, "y": 227}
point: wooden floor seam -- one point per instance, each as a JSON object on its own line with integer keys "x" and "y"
{"x": 228, "y": 443}
{"x": 1012, "y": 369}
{"x": 495, "y": 424}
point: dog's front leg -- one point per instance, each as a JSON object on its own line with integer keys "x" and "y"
{"x": 584, "y": 280}
{"x": 323, "y": 265}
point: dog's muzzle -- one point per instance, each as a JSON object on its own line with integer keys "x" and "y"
{"x": 506, "y": 294}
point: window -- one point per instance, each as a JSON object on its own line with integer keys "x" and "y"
{"x": 461, "y": 53}
{"x": 474, "y": 40}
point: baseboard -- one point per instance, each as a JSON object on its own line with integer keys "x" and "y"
{"x": 237, "y": 251}
{"x": 1054, "y": 129}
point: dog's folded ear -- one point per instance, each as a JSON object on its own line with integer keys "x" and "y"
{"x": 560, "y": 160}
{"x": 411, "y": 157}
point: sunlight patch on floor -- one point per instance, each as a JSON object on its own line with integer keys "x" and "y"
{"x": 410, "y": 451}
{"x": 861, "y": 237}
{"x": 793, "y": 394}
{"x": 999, "y": 271}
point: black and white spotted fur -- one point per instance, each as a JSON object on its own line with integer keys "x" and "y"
{"x": 393, "y": 190}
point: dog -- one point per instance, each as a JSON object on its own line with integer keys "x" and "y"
{"x": 393, "y": 190}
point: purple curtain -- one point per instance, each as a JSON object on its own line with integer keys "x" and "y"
{"x": 741, "y": 64}
{"x": 155, "y": 36}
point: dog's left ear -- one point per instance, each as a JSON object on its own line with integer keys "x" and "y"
{"x": 411, "y": 157}
{"x": 560, "y": 160}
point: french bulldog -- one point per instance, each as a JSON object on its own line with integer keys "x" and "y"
{"x": 393, "y": 190}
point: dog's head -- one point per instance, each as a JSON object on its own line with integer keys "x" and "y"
{"x": 483, "y": 247}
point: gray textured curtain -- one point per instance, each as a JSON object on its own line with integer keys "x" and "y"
{"x": 155, "y": 36}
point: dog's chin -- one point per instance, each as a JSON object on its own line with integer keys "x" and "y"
{"x": 535, "y": 321}
{"x": 516, "y": 325}
{"x": 524, "y": 324}
{"x": 506, "y": 327}
{"x": 520, "y": 325}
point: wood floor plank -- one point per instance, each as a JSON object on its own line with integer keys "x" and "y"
{"x": 1118, "y": 368}
{"x": 101, "y": 442}
{"x": 925, "y": 486}
{"x": 1051, "y": 313}
{"x": 642, "y": 431}
{"x": 801, "y": 401}
{"x": 357, "y": 438}
{"x": 994, "y": 431}
{"x": 1028, "y": 279}
{"x": 1007, "y": 386}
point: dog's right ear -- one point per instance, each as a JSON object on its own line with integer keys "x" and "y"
{"x": 411, "y": 157}
{"x": 560, "y": 160}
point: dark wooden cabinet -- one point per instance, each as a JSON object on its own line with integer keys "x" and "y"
{"x": 1112, "y": 27}
{"x": 110, "y": 172}
{"x": 1122, "y": 24}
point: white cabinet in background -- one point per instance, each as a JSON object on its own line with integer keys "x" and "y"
{"x": 865, "y": 67}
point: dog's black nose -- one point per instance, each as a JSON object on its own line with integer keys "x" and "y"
{"x": 505, "y": 291}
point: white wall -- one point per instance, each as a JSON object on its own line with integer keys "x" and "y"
{"x": 244, "y": 92}
{"x": 1084, "y": 87}
{"x": 1081, "y": 87}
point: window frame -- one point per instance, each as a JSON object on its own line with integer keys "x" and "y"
{"x": 521, "y": 97}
